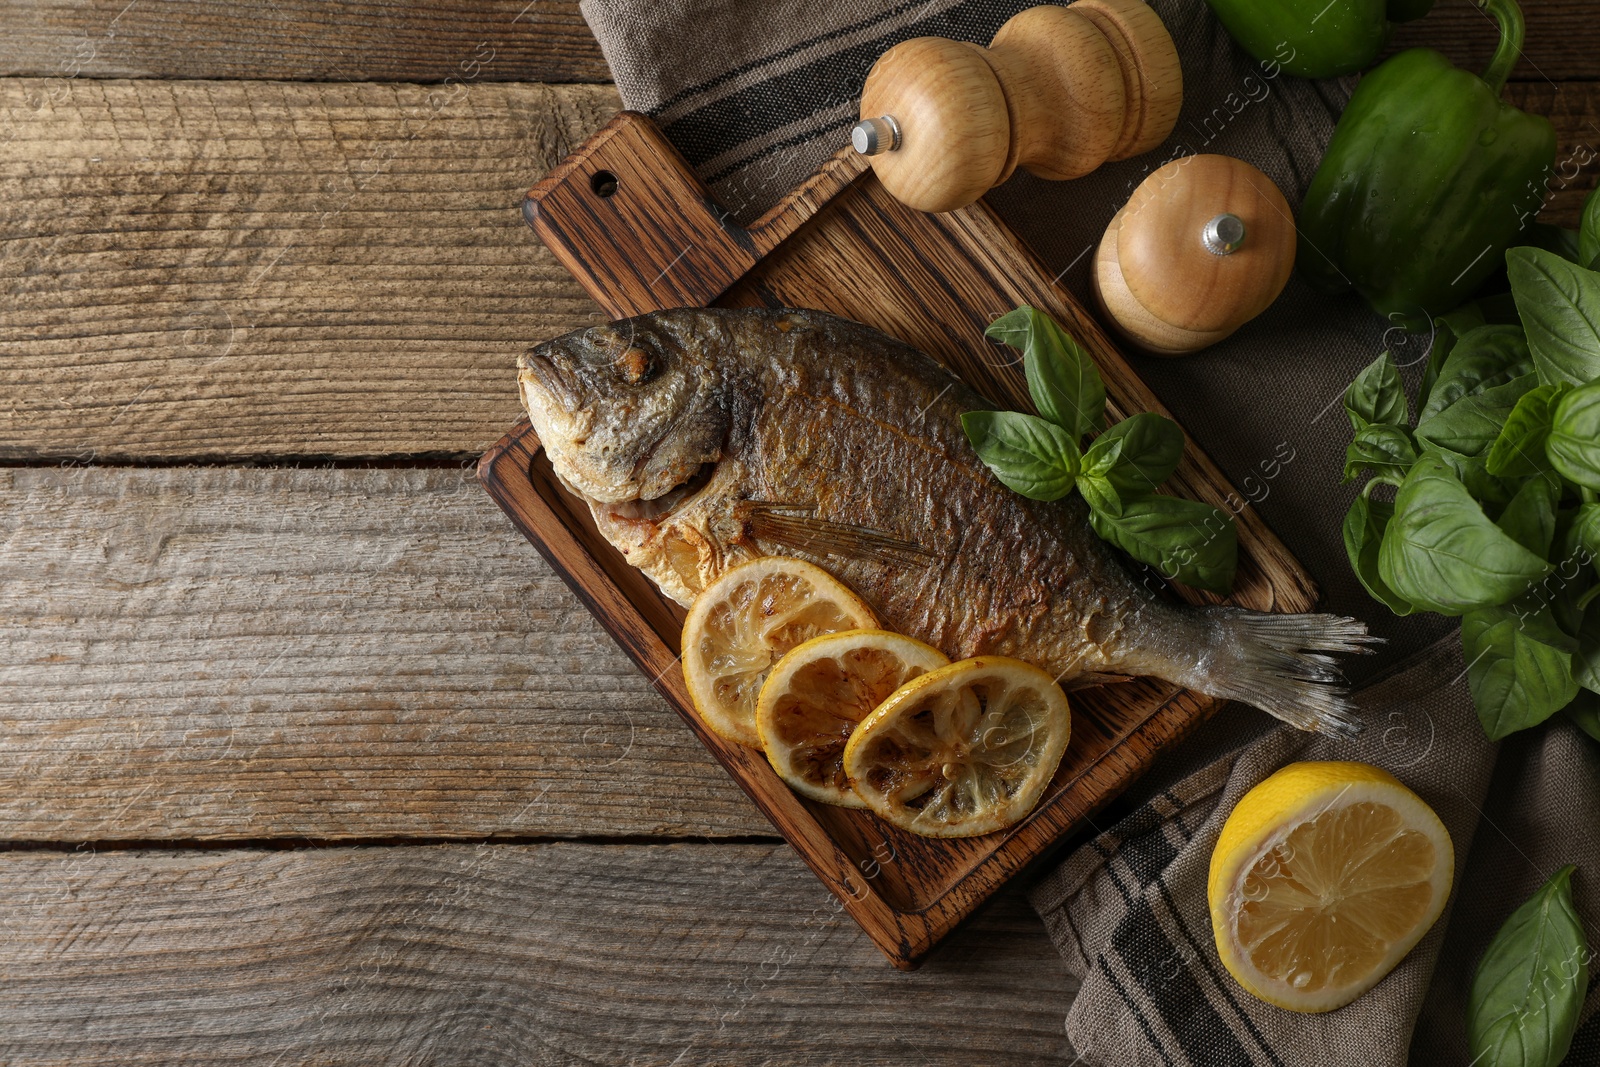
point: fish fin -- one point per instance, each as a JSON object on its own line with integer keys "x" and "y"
{"x": 802, "y": 531}
{"x": 1093, "y": 679}
{"x": 1278, "y": 663}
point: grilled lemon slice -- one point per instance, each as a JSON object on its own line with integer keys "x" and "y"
{"x": 748, "y": 618}
{"x": 963, "y": 750}
{"x": 1324, "y": 877}
{"x": 820, "y": 691}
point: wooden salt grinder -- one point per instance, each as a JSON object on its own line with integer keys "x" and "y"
{"x": 1059, "y": 91}
{"x": 1203, "y": 246}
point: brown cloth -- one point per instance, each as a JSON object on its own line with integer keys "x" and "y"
{"x": 756, "y": 94}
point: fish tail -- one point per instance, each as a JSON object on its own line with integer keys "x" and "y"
{"x": 1278, "y": 663}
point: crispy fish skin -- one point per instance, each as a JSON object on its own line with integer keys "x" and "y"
{"x": 704, "y": 437}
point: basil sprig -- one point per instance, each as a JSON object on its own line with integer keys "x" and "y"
{"x": 1495, "y": 516}
{"x": 1041, "y": 456}
{"x": 1530, "y": 984}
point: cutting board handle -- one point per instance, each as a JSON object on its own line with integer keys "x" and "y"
{"x": 627, "y": 215}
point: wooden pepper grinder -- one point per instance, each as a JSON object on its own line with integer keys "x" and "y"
{"x": 1059, "y": 91}
{"x": 1203, "y": 246}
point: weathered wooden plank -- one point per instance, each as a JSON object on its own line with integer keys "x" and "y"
{"x": 1561, "y": 43}
{"x": 550, "y": 954}
{"x": 545, "y": 40}
{"x": 301, "y": 40}
{"x": 203, "y": 268}
{"x": 245, "y": 269}
{"x": 224, "y": 653}
{"x": 1574, "y": 109}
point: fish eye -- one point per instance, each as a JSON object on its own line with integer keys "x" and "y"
{"x": 637, "y": 365}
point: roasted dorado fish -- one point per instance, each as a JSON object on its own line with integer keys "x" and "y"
{"x": 703, "y": 437}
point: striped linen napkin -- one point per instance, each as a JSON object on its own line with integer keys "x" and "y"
{"x": 756, "y": 94}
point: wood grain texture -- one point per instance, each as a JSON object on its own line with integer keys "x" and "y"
{"x": 1574, "y": 109}
{"x": 300, "y": 40}
{"x": 1561, "y": 43}
{"x": 236, "y": 269}
{"x": 215, "y": 653}
{"x": 207, "y": 270}
{"x": 545, "y": 40}
{"x": 529, "y": 955}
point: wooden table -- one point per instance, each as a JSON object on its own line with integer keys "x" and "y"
{"x": 305, "y": 757}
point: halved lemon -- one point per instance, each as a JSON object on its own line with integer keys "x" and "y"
{"x": 748, "y": 618}
{"x": 963, "y": 750}
{"x": 820, "y": 691}
{"x": 1324, "y": 877}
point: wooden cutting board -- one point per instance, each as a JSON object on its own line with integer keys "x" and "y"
{"x": 628, "y": 217}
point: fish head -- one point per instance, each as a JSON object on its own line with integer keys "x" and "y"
{"x": 631, "y": 411}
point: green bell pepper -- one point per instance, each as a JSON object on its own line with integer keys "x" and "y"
{"x": 1315, "y": 38}
{"x": 1428, "y": 178}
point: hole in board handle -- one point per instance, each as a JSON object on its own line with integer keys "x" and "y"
{"x": 604, "y": 183}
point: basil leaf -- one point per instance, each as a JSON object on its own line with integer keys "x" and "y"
{"x": 1148, "y": 448}
{"x": 1519, "y": 450}
{"x": 1497, "y": 310}
{"x": 1470, "y": 426}
{"x": 1192, "y": 542}
{"x": 1585, "y": 713}
{"x": 1442, "y": 553}
{"x": 1034, "y": 457}
{"x": 1589, "y": 232}
{"x": 1482, "y": 359}
{"x": 1363, "y": 534}
{"x": 1574, "y": 443}
{"x": 1103, "y": 454}
{"x": 1473, "y": 472}
{"x": 1062, "y": 378}
{"x": 1519, "y": 667}
{"x": 1530, "y": 518}
{"x": 1376, "y": 396}
{"x": 1586, "y": 529}
{"x": 1571, "y": 576}
{"x": 1100, "y": 494}
{"x": 1586, "y": 660}
{"x": 1384, "y": 450}
{"x": 1531, "y": 982}
{"x": 1560, "y": 307}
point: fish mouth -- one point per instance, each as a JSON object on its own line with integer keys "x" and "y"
{"x": 560, "y": 390}
{"x": 658, "y": 508}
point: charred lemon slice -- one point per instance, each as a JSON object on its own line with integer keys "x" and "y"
{"x": 748, "y": 618}
{"x": 963, "y": 750}
{"x": 820, "y": 691}
{"x": 1324, "y": 877}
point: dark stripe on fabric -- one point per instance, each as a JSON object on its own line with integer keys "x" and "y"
{"x": 1164, "y": 978}
{"x": 746, "y": 115}
{"x": 1124, "y": 940}
{"x": 1217, "y": 979}
{"x": 785, "y": 53}
{"x": 1134, "y": 1010}
{"x": 1149, "y": 854}
{"x": 778, "y": 146}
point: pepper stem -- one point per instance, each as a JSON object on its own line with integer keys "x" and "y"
{"x": 1509, "y": 16}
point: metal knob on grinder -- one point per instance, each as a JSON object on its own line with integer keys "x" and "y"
{"x": 1059, "y": 91}
{"x": 1204, "y": 245}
